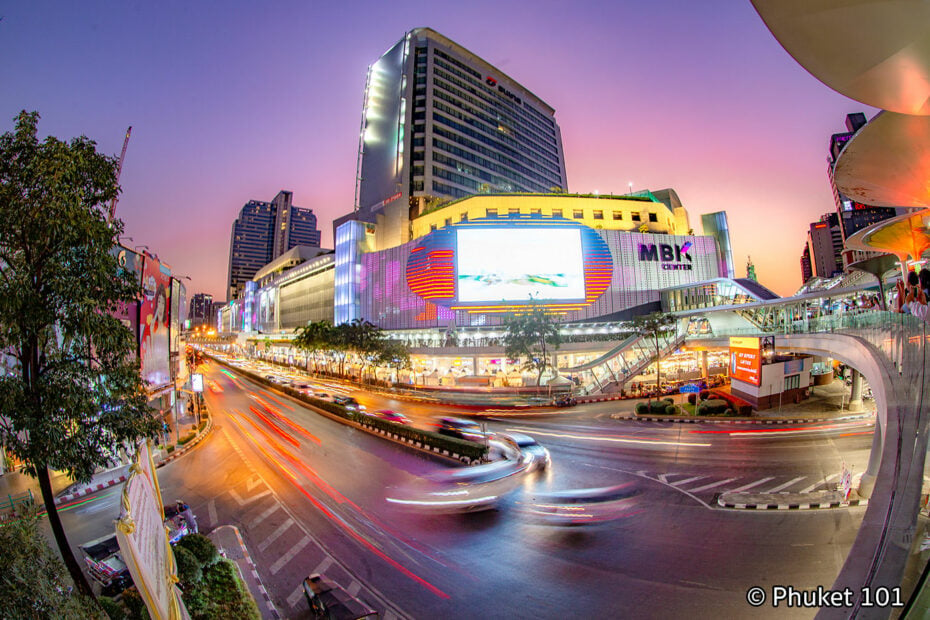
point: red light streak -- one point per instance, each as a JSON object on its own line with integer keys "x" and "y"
{"x": 275, "y": 428}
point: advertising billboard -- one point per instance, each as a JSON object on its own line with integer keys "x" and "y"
{"x": 517, "y": 264}
{"x": 746, "y": 360}
{"x": 153, "y": 319}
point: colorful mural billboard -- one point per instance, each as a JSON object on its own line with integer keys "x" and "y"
{"x": 153, "y": 321}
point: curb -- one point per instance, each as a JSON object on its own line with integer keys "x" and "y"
{"x": 795, "y": 506}
{"x": 694, "y": 420}
{"x": 261, "y": 586}
{"x": 417, "y": 444}
{"x": 63, "y": 499}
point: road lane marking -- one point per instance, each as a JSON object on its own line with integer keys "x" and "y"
{"x": 678, "y": 483}
{"x": 295, "y": 596}
{"x": 252, "y": 498}
{"x": 711, "y": 485}
{"x": 253, "y": 482}
{"x": 825, "y": 482}
{"x": 786, "y": 485}
{"x": 353, "y": 588}
{"x": 751, "y": 484}
{"x": 287, "y": 557}
{"x": 257, "y": 520}
{"x": 323, "y": 566}
{"x": 653, "y": 442}
{"x": 275, "y": 534}
{"x": 211, "y": 511}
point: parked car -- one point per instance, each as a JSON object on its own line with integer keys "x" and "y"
{"x": 391, "y": 416}
{"x": 463, "y": 429}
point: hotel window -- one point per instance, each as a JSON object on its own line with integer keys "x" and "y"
{"x": 653, "y": 217}
{"x": 636, "y": 217}
{"x": 513, "y": 211}
{"x": 490, "y": 213}
{"x": 598, "y": 215}
{"x": 535, "y": 211}
{"x": 448, "y": 221}
{"x": 578, "y": 214}
{"x": 618, "y": 215}
{"x": 557, "y": 213}
{"x": 432, "y": 227}
{"x": 463, "y": 217}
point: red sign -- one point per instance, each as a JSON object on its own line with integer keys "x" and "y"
{"x": 746, "y": 360}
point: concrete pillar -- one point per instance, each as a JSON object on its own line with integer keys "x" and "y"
{"x": 855, "y": 395}
{"x": 867, "y": 483}
{"x": 703, "y": 360}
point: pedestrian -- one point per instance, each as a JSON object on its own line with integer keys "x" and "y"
{"x": 912, "y": 301}
{"x": 188, "y": 515}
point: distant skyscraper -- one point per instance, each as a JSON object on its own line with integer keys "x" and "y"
{"x": 807, "y": 271}
{"x": 825, "y": 246}
{"x": 439, "y": 122}
{"x": 201, "y": 304}
{"x": 715, "y": 225}
{"x": 262, "y": 232}
{"x": 853, "y": 216}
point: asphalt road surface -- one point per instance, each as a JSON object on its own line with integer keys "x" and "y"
{"x": 309, "y": 495}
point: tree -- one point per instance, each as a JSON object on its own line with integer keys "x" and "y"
{"x": 75, "y": 388}
{"x": 530, "y": 335}
{"x": 653, "y": 326}
{"x": 314, "y": 337}
{"x": 393, "y": 354}
{"x": 33, "y": 584}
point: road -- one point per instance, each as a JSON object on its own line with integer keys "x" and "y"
{"x": 309, "y": 495}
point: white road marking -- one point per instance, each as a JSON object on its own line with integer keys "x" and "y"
{"x": 751, "y": 484}
{"x": 786, "y": 485}
{"x": 711, "y": 485}
{"x": 295, "y": 596}
{"x": 275, "y": 534}
{"x": 257, "y": 520}
{"x": 211, "y": 511}
{"x": 323, "y": 566}
{"x": 817, "y": 484}
{"x": 252, "y": 498}
{"x": 678, "y": 483}
{"x": 287, "y": 557}
{"x": 353, "y": 588}
{"x": 252, "y": 483}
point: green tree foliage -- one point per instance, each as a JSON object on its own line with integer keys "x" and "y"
{"x": 202, "y": 547}
{"x": 189, "y": 570}
{"x": 358, "y": 337}
{"x": 532, "y": 336}
{"x": 220, "y": 595}
{"x": 393, "y": 354}
{"x": 74, "y": 390}
{"x": 32, "y": 583}
{"x": 653, "y": 327}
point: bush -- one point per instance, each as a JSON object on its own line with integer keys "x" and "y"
{"x": 220, "y": 594}
{"x": 135, "y": 606}
{"x": 186, "y": 438}
{"x": 669, "y": 400}
{"x": 114, "y": 610}
{"x": 745, "y": 410}
{"x": 705, "y": 394}
{"x": 641, "y": 409}
{"x": 728, "y": 412}
{"x": 714, "y": 405}
{"x": 692, "y": 398}
{"x": 201, "y": 547}
{"x": 671, "y": 410}
{"x": 189, "y": 571}
{"x": 658, "y": 406}
{"x": 169, "y": 449}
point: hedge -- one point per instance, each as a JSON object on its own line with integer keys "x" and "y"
{"x": 429, "y": 439}
{"x": 713, "y": 406}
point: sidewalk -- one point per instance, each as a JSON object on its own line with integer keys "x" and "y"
{"x": 229, "y": 541}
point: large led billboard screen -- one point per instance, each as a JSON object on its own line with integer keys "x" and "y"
{"x": 746, "y": 360}
{"x": 514, "y": 264}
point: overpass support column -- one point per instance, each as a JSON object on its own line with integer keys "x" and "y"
{"x": 867, "y": 483}
{"x": 855, "y": 395}
{"x": 703, "y": 361}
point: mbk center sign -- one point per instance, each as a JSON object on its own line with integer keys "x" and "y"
{"x": 673, "y": 257}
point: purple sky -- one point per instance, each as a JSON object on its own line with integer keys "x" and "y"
{"x": 231, "y": 101}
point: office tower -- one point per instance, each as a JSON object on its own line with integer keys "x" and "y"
{"x": 262, "y": 232}
{"x": 825, "y": 246}
{"x": 715, "y": 224}
{"x": 852, "y": 216}
{"x": 200, "y": 306}
{"x": 807, "y": 271}
{"x": 440, "y": 123}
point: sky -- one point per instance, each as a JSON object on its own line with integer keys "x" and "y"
{"x": 235, "y": 100}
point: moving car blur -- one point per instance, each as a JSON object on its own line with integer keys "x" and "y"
{"x": 581, "y": 506}
{"x": 459, "y": 490}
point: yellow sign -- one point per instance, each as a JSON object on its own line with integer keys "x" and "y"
{"x": 740, "y": 342}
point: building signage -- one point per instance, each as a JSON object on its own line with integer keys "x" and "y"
{"x": 197, "y": 382}
{"x": 673, "y": 257}
{"x": 746, "y": 360}
{"x": 492, "y": 82}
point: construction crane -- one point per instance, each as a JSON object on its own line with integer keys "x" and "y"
{"x": 119, "y": 170}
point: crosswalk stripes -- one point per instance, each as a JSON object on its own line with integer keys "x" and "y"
{"x": 295, "y": 596}
{"x": 252, "y": 498}
{"x": 781, "y": 487}
{"x": 825, "y": 483}
{"x": 712, "y": 485}
{"x": 267, "y": 513}
{"x": 287, "y": 557}
{"x": 746, "y": 487}
{"x": 275, "y": 534}
{"x": 679, "y": 483}
{"x": 353, "y": 588}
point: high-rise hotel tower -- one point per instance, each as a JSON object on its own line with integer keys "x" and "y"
{"x": 439, "y": 123}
